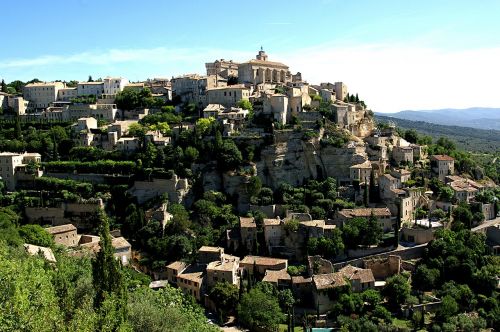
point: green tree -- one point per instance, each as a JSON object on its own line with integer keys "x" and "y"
{"x": 28, "y": 301}
{"x": 228, "y": 156}
{"x": 110, "y": 293}
{"x": 259, "y": 309}
{"x": 396, "y": 290}
{"x": 225, "y": 297}
{"x": 245, "y": 104}
{"x": 4, "y": 87}
{"x": 35, "y": 234}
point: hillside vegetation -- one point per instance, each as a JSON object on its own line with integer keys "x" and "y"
{"x": 466, "y": 138}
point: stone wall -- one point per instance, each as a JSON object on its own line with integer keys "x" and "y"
{"x": 383, "y": 267}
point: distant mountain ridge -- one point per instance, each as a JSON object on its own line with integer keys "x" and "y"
{"x": 466, "y": 138}
{"x": 475, "y": 117}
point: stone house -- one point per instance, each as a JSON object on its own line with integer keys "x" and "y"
{"x": 192, "y": 281}
{"x": 223, "y": 270}
{"x": 228, "y": 95}
{"x": 402, "y": 154}
{"x": 13, "y": 165}
{"x": 273, "y": 232}
{"x": 207, "y": 254}
{"x": 383, "y": 216}
{"x": 173, "y": 270}
{"x": 248, "y": 232}
{"x": 349, "y": 276}
{"x": 442, "y": 166}
{"x": 361, "y": 172}
{"x": 280, "y": 278}
{"x": 262, "y": 264}
{"x": 65, "y": 235}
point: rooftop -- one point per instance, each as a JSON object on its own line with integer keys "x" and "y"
{"x": 61, "y": 229}
{"x": 274, "y": 276}
{"x": 442, "y": 157}
{"x": 247, "y": 222}
{"x": 209, "y": 249}
{"x": 177, "y": 265}
{"x": 261, "y": 260}
{"x": 272, "y": 222}
{"x": 329, "y": 280}
{"x": 120, "y": 242}
{"x": 365, "y": 212}
{"x": 228, "y": 263}
{"x": 356, "y": 273}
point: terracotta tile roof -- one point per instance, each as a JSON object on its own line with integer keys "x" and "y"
{"x": 355, "y": 273}
{"x": 177, "y": 265}
{"x": 274, "y": 276}
{"x": 366, "y": 164}
{"x": 192, "y": 273}
{"x": 119, "y": 242}
{"x": 365, "y": 212}
{"x": 61, "y": 229}
{"x": 329, "y": 280}
{"x": 247, "y": 222}
{"x": 261, "y": 260}
{"x": 442, "y": 157}
{"x": 313, "y": 223}
{"x": 267, "y": 63}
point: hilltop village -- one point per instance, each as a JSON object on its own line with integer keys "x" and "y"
{"x": 249, "y": 175}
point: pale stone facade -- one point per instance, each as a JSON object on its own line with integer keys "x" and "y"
{"x": 442, "y": 166}
{"x": 228, "y": 95}
{"x": 223, "y": 270}
{"x": 65, "y": 235}
{"x": 260, "y": 71}
{"x": 113, "y": 85}
{"x": 41, "y": 95}
{"x": 11, "y": 163}
{"x": 223, "y": 68}
{"x": 92, "y": 88}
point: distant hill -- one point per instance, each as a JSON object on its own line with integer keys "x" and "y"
{"x": 470, "y": 139}
{"x": 476, "y": 117}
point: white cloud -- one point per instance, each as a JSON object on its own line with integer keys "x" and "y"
{"x": 389, "y": 78}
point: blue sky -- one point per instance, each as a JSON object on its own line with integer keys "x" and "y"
{"x": 395, "y": 54}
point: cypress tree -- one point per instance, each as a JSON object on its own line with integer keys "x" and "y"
{"x": 365, "y": 195}
{"x": 373, "y": 189}
{"x": 108, "y": 278}
{"x": 4, "y": 86}
{"x": 18, "y": 133}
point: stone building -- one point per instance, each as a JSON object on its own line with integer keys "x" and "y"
{"x": 261, "y": 71}
{"x": 262, "y": 264}
{"x": 13, "y": 165}
{"x": 192, "y": 281}
{"x": 248, "y": 232}
{"x": 65, "y": 235}
{"x": 207, "y": 254}
{"x": 173, "y": 270}
{"x": 442, "y": 166}
{"x": 383, "y": 216}
{"x": 193, "y": 87}
{"x": 402, "y": 154}
{"x": 90, "y": 88}
{"x": 273, "y": 232}
{"x": 223, "y": 270}
{"x": 222, "y": 68}
{"x": 228, "y": 95}
{"x": 41, "y": 95}
{"x": 349, "y": 276}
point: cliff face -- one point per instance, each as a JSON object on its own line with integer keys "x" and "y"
{"x": 296, "y": 160}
